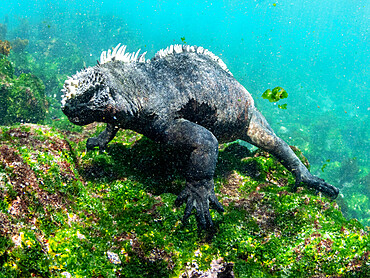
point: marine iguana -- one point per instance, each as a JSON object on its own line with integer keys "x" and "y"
{"x": 185, "y": 98}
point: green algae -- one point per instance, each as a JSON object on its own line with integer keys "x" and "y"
{"x": 63, "y": 209}
{"x": 275, "y": 94}
{"x": 22, "y": 98}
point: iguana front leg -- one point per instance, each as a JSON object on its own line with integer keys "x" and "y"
{"x": 200, "y": 147}
{"x": 103, "y": 138}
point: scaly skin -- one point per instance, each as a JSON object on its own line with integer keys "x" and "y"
{"x": 183, "y": 100}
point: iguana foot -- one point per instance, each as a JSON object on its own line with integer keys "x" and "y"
{"x": 199, "y": 195}
{"x": 320, "y": 185}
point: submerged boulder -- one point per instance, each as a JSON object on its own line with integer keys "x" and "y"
{"x": 22, "y": 98}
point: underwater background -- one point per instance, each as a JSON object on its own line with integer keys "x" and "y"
{"x": 318, "y": 51}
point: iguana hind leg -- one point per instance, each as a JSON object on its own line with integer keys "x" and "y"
{"x": 260, "y": 134}
{"x": 201, "y": 149}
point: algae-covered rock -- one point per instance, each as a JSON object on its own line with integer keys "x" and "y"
{"x": 22, "y": 99}
{"x": 18, "y": 45}
{"x": 111, "y": 214}
{"x": 5, "y": 47}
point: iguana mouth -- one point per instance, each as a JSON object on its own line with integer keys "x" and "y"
{"x": 77, "y": 114}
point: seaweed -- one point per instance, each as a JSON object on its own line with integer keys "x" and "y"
{"x": 18, "y": 45}
{"x": 111, "y": 214}
{"x": 22, "y": 98}
{"x": 5, "y": 47}
{"x": 275, "y": 94}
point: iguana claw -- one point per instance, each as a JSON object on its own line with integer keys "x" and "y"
{"x": 318, "y": 184}
{"x": 322, "y": 186}
{"x": 199, "y": 196}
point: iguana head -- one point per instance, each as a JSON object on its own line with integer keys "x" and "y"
{"x": 86, "y": 96}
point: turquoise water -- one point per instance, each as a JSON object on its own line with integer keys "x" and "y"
{"x": 318, "y": 51}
